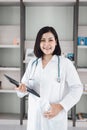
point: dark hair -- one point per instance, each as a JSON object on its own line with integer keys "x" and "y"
{"x": 37, "y": 51}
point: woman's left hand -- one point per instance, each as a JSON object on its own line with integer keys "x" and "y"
{"x": 55, "y": 109}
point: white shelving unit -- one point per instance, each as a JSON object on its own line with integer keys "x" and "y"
{"x": 9, "y": 54}
{"x": 82, "y": 32}
{"x": 82, "y": 54}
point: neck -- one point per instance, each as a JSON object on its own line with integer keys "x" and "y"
{"x": 47, "y": 57}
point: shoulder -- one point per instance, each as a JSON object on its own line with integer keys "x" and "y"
{"x": 65, "y": 61}
{"x": 32, "y": 61}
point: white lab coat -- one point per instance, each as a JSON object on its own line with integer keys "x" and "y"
{"x": 67, "y": 92}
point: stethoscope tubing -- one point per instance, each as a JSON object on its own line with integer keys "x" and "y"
{"x": 36, "y": 61}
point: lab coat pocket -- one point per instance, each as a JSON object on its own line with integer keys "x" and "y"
{"x": 55, "y": 122}
{"x": 44, "y": 106}
{"x": 31, "y": 83}
{"x": 34, "y": 84}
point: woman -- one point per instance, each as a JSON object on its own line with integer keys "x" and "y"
{"x": 55, "y": 78}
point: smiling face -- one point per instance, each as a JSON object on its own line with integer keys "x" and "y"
{"x": 48, "y": 43}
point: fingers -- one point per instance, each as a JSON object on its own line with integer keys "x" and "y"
{"x": 48, "y": 115}
{"x": 55, "y": 109}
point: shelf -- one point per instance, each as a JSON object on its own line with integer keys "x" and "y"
{"x": 9, "y": 69}
{"x": 82, "y": 47}
{"x": 9, "y": 46}
{"x": 13, "y": 118}
{"x": 84, "y": 93}
{"x": 49, "y": 2}
{"x": 10, "y": 2}
{"x": 82, "y": 30}
{"x": 7, "y": 91}
{"x": 83, "y": 2}
{"x": 82, "y": 69}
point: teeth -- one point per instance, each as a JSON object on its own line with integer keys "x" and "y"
{"x": 47, "y": 48}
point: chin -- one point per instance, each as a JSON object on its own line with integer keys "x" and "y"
{"x": 47, "y": 53}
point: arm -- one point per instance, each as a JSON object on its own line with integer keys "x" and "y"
{"x": 75, "y": 87}
{"x": 73, "y": 95}
{"x": 22, "y": 90}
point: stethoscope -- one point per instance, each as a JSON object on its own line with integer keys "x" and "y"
{"x": 36, "y": 63}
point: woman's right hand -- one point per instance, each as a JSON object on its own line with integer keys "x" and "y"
{"x": 22, "y": 88}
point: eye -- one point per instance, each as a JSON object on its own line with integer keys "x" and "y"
{"x": 42, "y": 40}
{"x": 50, "y": 40}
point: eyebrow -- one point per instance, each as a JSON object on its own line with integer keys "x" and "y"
{"x": 48, "y": 38}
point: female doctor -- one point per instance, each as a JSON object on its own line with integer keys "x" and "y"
{"x": 55, "y": 79}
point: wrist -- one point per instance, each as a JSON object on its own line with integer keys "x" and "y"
{"x": 60, "y": 107}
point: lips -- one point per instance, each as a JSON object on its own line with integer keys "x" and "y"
{"x": 48, "y": 48}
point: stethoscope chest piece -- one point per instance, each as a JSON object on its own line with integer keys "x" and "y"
{"x": 58, "y": 80}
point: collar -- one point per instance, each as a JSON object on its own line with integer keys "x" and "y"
{"x": 54, "y": 58}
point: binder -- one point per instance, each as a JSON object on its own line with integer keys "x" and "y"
{"x": 13, "y": 81}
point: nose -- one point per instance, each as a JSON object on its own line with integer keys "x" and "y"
{"x": 46, "y": 43}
